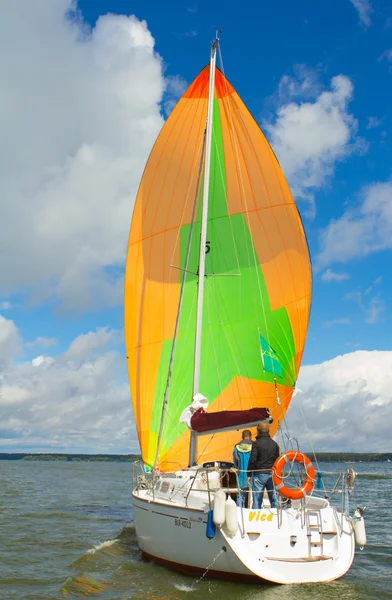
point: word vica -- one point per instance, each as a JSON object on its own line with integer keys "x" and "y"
{"x": 257, "y": 515}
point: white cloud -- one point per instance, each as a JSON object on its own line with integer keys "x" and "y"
{"x": 338, "y": 321}
{"x": 10, "y": 341}
{"x": 77, "y": 401}
{"x": 42, "y": 360}
{"x": 80, "y": 111}
{"x": 375, "y": 309}
{"x": 370, "y": 288}
{"x": 346, "y": 402}
{"x": 174, "y": 88}
{"x": 331, "y": 277}
{"x": 372, "y": 307}
{"x": 309, "y": 137}
{"x": 6, "y": 305}
{"x": 387, "y": 55}
{"x": 42, "y": 342}
{"x": 304, "y": 84}
{"x": 364, "y": 9}
{"x": 356, "y": 296}
{"x": 373, "y": 122}
{"x": 191, "y": 33}
{"x": 361, "y": 230}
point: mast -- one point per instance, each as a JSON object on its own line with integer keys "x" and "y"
{"x": 203, "y": 239}
{"x": 169, "y": 374}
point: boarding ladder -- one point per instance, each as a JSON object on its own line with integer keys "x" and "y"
{"x": 314, "y": 528}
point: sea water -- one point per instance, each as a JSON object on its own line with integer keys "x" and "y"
{"x": 66, "y": 532}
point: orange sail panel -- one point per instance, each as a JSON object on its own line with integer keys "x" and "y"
{"x": 258, "y": 277}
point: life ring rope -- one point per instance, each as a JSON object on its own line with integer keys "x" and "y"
{"x": 293, "y": 456}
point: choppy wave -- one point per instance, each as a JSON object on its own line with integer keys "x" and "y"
{"x": 117, "y": 564}
{"x": 184, "y": 588}
{"x": 373, "y": 476}
{"x": 101, "y": 546}
{"x": 82, "y": 586}
{"x": 63, "y": 538}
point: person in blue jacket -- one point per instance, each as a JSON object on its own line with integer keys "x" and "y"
{"x": 241, "y": 456}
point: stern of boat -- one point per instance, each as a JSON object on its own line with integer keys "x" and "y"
{"x": 308, "y": 541}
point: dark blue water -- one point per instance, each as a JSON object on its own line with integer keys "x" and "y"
{"x": 66, "y": 532}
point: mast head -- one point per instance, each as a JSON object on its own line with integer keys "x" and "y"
{"x": 218, "y": 33}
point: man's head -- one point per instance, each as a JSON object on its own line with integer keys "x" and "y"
{"x": 246, "y": 434}
{"x": 263, "y": 428}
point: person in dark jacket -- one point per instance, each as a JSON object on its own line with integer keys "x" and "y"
{"x": 241, "y": 457}
{"x": 264, "y": 453}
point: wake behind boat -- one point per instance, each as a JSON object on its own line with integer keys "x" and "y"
{"x": 217, "y": 301}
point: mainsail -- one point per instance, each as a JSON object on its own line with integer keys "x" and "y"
{"x": 257, "y": 286}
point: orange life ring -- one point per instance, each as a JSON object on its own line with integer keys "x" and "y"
{"x": 277, "y": 469}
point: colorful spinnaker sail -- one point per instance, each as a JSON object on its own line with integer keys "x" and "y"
{"x": 258, "y": 277}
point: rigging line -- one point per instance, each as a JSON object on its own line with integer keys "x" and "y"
{"x": 174, "y": 422}
{"x": 300, "y": 239}
{"x": 182, "y": 390}
{"x": 256, "y": 267}
{"x": 230, "y": 346}
{"x": 298, "y": 284}
{"x": 256, "y": 262}
{"x": 213, "y": 344}
{"x": 186, "y": 330}
{"x": 246, "y": 232}
{"x": 270, "y": 152}
{"x": 199, "y": 149}
{"x": 284, "y": 420}
{"x": 219, "y": 309}
{"x": 222, "y": 174}
{"x": 309, "y": 435}
{"x": 194, "y": 171}
{"x": 162, "y": 152}
{"x": 166, "y": 395}
{"x": 231, "y": 129}
{"x": 208, "y": 304}
{"x": 206, "y": 446}
{"x": 286, "y": 205}
{"x": 203, "y": 240}
{"x": 217, "y": 287}
{"x": 234, "y": 136}
{"x": 295, "y": 302}
{"x": 163, "y": 179}
{"x": 283, "y": 423}
{"x": 255, "y": 258}
{"x": 223, "y": 179}
{"x": 297, "y": 220}
{"x": 285, "y": 349}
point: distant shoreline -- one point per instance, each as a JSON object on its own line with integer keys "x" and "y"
{"x": 347, "y": 457}
{"x": 56, "y": 456}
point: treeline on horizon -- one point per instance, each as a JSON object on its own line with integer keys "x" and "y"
{"x": 69, "y": 457}
{"x": 321, "y": 457}
{"x": 353, "y": 456}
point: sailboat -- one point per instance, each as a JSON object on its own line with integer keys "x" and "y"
{"x": 217, "y": 301}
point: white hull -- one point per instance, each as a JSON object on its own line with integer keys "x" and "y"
{"x": 281, "y": 546}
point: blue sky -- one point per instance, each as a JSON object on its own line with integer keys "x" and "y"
{"x": 84, "y": 100}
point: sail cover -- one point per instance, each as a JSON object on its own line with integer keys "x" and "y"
{"x": 257, "y": 286}
{"x": 202, "y": 421}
